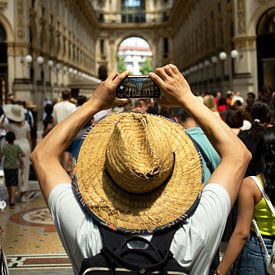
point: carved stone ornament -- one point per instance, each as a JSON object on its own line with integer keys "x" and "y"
{"x": 20, "y": 22}
{"x": 241, "y": 16}
{"x": 3, "y": 4}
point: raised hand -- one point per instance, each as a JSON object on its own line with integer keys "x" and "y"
{"x": 104, "y": 95}
{"x": 174, "y": 87}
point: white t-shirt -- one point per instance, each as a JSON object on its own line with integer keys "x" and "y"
{"x": 194, "y": 245}
{"x": 62, "y": 109}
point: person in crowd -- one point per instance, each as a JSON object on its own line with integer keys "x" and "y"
{"x": 28, "y": 108}
{"x": 234, "y": 119}
{"x": 210, "y": 157}
{"x": 3, "y": 119}
{"x": 153, "y": 107}
{"x": 209, "y": 101}
{"x": 64, "y": 108}
{"x": 237, "y": 103}
{"x": 252, "y": 205}
{"x": 229, "y": 97}
{"x": 250, "y": 100}
{"x": 176, "y": 172}
{"x": 12, "y": 156}
{"x": 19, "y": 126}
{"x": 222, "y": 106}
{"x": 261, "y": 114}
{"x": 48, "y": 120}
{"x": 77, "y": 140}
{"x": 11, "y": 98}
{"x": 61, "y": 110}
{"x": 217, "y": 97}
{"x": 265, "y": 95}
{"x": 140, "y": 106}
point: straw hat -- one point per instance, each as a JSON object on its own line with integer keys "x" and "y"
{"x": 138, "y": 172}
{"x": 14, "y": 112}
{"x": 30, "y": 105}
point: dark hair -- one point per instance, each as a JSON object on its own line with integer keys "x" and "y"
{"x": 265, "y": 153}
{"x": 181, "y": 114}
{"x": 48, "y": 109}
{"x": 251, "y": 94}
{"x": 66, "y": 95}
{"x": 234, "y": 118}
{"x": 10, "y": 137}
{"x": 222, "y": 101}
{"x": 81, "y": 100}
{"x": 261, "y": 115}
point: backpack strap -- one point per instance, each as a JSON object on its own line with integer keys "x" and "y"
{"x": 254, "y": 223}
{"x": 163, "y": 239}
{"x": 264, "y": 195}
{"x": 260, "y": 238}
{"x": 114, "y": 243}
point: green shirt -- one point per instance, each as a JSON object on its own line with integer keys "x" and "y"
{"x": 11, "y": 153}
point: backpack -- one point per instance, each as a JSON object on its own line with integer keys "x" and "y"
{"x": 116, "y": 257}
{"x": 28, "y": 118}
{"x": 270, "y": 259}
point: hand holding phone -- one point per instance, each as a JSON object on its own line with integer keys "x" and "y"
{"x": 137, "y": 87}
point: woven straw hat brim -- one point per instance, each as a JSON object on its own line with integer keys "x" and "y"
{"x": 17, "y": 117}
{"x": 155, "y": 209}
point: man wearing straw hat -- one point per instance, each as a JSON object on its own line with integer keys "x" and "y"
{"x": 141, "y": 173}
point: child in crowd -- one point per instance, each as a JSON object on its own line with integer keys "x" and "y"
{"x": 13, "y": 155}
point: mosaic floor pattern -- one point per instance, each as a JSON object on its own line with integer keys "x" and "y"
{"x": 29, "y": 238}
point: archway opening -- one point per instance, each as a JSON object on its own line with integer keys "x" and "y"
{"x": 3, "y": 65}
{"x": 134, "y": 54}
{"x": 265, "y": 50}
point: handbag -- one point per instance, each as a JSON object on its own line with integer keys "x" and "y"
{"x": 270, "y": 259}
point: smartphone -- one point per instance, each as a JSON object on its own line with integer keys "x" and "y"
{"x": 137, "y": 87}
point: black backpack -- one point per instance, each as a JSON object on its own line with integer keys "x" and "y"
{"x": 117, "y": 258}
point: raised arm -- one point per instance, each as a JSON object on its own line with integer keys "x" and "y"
{"x": 45, "y": 157}
{"x": 234, "y": 155}
{"x": 246, "y": 202}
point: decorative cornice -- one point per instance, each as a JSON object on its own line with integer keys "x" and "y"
{"x": 247, "y": 42}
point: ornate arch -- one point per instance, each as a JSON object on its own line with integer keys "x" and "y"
{"x": 144, "y": 36}
{"x": 257, "y": 15}
{"x": 8, "y": 28}
{"x": 122, "y": 37}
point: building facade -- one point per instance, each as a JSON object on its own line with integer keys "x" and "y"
{"x": 226, "y": 45}
{"x": 46, "y": 46}
{"x": 49, "y": 46}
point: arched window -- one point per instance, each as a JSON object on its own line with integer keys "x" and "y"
{"x": 267, "y": 23}
{"x": 265, "y": 49}
{"x": 3, "y": 45}
{"x": 135, "y": 55}
{"x": 3, "y": 36}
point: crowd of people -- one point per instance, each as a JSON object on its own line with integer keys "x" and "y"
{"x": 216, "y": 124}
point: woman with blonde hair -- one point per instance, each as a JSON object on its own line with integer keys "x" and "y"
{"x": 209, "y": 101}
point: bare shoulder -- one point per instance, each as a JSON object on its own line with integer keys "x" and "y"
{"x": 250, "y": 188}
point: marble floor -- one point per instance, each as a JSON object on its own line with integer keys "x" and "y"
{"x": 29, "y": 239}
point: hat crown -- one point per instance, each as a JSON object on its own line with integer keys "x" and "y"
{"x": 16, "y": 110}
{"x": 138, "y": 159}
